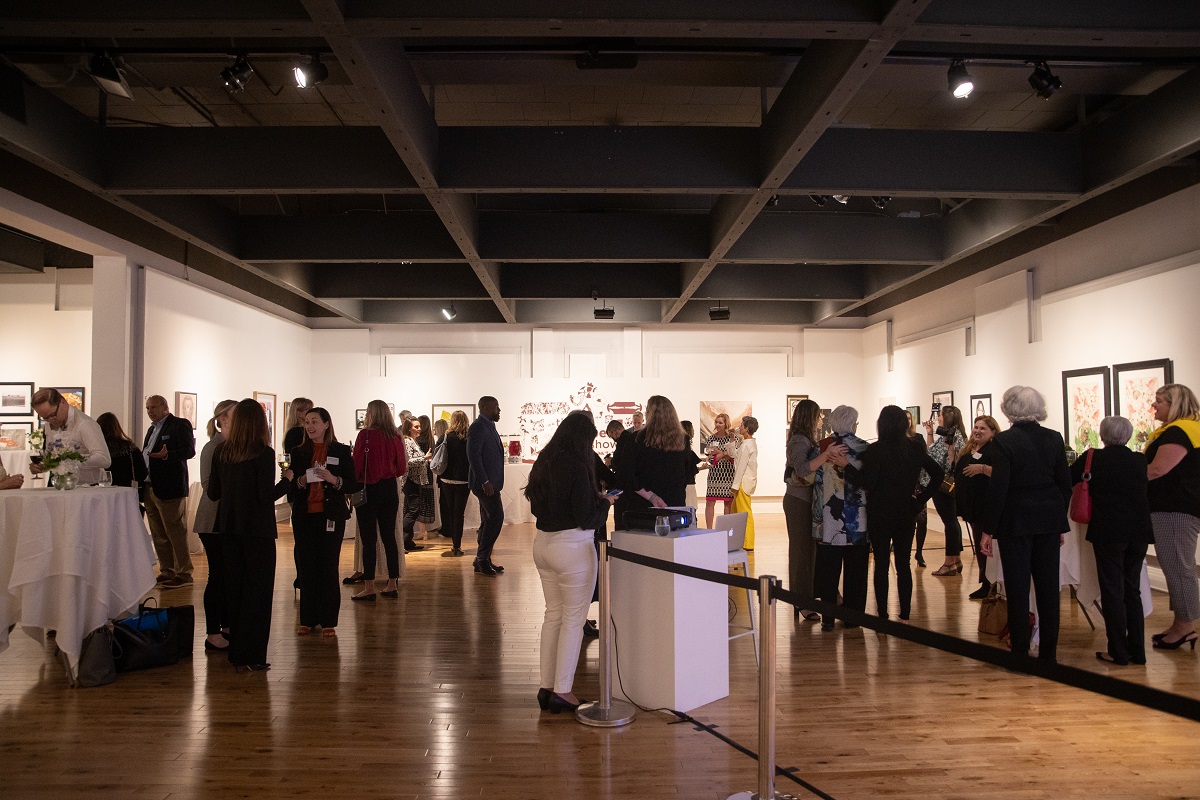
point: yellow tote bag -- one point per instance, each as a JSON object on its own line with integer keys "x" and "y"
{"x": 741, "y": 502}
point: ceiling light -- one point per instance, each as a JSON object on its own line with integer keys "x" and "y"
{"x": 238, "y": 75}
{"x": 961, "y": 84}
{"x": 449, "y": 312}
{"x": 881, "y": 201}
{"x": 103, "y": 70}
{"x": 604, "y": 313}
{"x": 718, "y": 313}
{"x": 311, "y": 74}
{"x": 1043, "y": 81}
{"x": 842, "y": 198}
{"x": 773, "y": 201}
{"x": 819, "y": 199}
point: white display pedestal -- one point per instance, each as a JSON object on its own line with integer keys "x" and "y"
{"x": 672, "y": 632}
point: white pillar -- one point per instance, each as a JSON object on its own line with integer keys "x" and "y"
{"x": 117, "y": 319}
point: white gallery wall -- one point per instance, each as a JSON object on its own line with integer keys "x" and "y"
{"x": 46, "y": 328}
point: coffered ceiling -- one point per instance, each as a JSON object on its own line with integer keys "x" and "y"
{"x": 516, "y": 159}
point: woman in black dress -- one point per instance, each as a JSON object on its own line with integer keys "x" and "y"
{"x": 454, "y": 483}
{"x": 216, "y": 606}
{"x": 319, "y": 514}
{"x": 972, "y": 472}
{"x": 243, "y": 483}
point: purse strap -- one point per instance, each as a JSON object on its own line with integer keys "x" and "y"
{"x": 1087, "y": 465}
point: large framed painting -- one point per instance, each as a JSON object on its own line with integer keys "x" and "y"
{"x": 16, "y": 399}
{"x": 267, "y": 401}
{"x": 793, "y": 401}
{"x": 1134, "y": 387}
{"x": 981, "y": 406}
{"x": 1087, "y": 399}
{"x": 74, "y": 395}
{"x": 185, "y": 407}
{"x": 945, "y": 398}
{"x": 709, "y": 409}
{"x": 445, "y": 410}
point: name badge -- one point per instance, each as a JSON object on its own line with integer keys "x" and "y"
{"x": 330, "y": 526}
{"x": 331, "y": 461}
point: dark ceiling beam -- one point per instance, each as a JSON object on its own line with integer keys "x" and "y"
{"x": 956, "y": 164}
{"x": 199, "y": 216}
{"x": 839, "y": 238}
{"x": 616, "y": 236}
{"x": 20, "y": 253}
{"x": 140, "y": 19}
{"x": 824, "y": 82}
{"x": 597, "y": 159}
{"x": 429, "y": 312}
{"x": 396, "y": 281}
{"x": 383, "y": 75}
{"x": 783, "y": 282}
{"x": 611, "y": 281}
{"x": 47, "y": 132}
{"x": 398, "y": 236}
{"x": 574, "y": 311}
{"x": 1108, "y": 25}
{"x": 746, "y": 312}
{"x": 301, "y": 160}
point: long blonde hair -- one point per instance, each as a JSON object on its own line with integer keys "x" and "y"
{"x": 459, "y": 423}
{"x": 214, "y": 424}
{"x": 379, "y": 416}
{"x": 662, "y": 430}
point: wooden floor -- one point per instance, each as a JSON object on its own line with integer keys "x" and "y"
{"x": 432, "y": 696}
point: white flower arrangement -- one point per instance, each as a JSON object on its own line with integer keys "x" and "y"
{"x": 37, "y": 439}
{"x": 62, "y": 460}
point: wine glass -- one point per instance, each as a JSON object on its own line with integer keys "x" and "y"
{"x": 36, "y": 458}
{"x": 105, "y": 478}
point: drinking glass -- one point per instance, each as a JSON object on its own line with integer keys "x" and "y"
{"x": 36, "y": 458}
{"x": 105, "y": 478}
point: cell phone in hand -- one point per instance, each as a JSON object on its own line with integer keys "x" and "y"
{"x": 613, "y": 492}
{"x": 933, "y": 412}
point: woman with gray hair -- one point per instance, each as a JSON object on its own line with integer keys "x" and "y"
{"x": 1174, "y": 473}
{"x": 1028, "y": 493}
{"x": 1119, "y": 532}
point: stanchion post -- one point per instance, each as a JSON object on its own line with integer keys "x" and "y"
{"x": 605, "y": 712}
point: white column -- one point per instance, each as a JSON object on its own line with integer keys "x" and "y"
{"x": 117, "y": 316}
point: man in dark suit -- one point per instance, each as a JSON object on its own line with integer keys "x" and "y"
{"x": 168, "y": 447}
{"x": 485, "y": 455}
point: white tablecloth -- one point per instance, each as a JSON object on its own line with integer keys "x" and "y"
{"x": 70, "y": 561}
{"x": 16, "y": 462}
{"x": 516, "y": 507}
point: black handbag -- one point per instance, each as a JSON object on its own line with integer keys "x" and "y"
{"x": 154, "y": 637}
{"x": 97, "y": 666}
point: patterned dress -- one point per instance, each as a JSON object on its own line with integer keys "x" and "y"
{"x": 720, "y": 474}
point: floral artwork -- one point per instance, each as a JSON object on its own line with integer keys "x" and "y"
{"x": 1136, "y": 384}
{"x": 1086, "y": 401}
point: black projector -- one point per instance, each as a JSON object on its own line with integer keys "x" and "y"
{"x": 644, "y": 519}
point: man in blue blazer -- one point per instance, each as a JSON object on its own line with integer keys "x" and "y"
{"x": 485, "y": 455}
{"x": 169, "y": 445}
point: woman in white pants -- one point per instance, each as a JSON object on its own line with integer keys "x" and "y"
{"x": 568, "y": 507}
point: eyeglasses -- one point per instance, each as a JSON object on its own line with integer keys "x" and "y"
{"x": 52, "y": 414}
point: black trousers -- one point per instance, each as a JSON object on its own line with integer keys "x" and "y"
{"x": 922, "y": 525}
{"x": 317, "y": 552}
{"x": 250, "y": 586}
{"x": 1119, "y": 569}
{"x": 1025, "y": 558}
{"x": 216, "y": 617}
{"x": 977, "y": 537}
{"x": 850, "y": 563}
{"x": 454, "y": 508}
{"x": 412, "y": 507}
{"x": 377, "y": 518}
{"x": 945, "y": 506}
{"x": 491, "y": 521}
{"x": 891, "y": 533}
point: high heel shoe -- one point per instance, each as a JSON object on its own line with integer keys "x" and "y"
{"x": 556, "y": 704}
{"x": 1187, "y": 638}
{"x": 544, "y": 698}
{"x": 947, "y": 571}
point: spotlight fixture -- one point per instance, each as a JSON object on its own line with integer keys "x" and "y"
{"x": 773, "y": 201}
{"x": 881, "y": 201}
{"x": 449, "y": 312}
{"x": 104, "y": 71}
{"x": 718, "y": 313}
{"x": 604, "y": 313}
{"x": 842, "y": 198}
{"x": 238, "y": 75}
{"x": 1043, "y": 81}
{"x": 312, "y": 73}
{"x": 819, "y": 199}
{"x": 961, "y": 84}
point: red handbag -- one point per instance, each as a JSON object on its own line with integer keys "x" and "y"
{"x": 1080, "y": 509}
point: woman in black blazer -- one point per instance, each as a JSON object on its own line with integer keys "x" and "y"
{"x": 319, "y": 514}
{"x": 453, "y": 482}
{"x": 243, "y": 483}
{"x": 1120, "y": 532}
{"x": 1028, "y": 494}
{"x": 972, "y": 473}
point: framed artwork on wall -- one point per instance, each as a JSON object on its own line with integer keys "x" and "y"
{"x": 267, "y": 401}
{"x": 793, "y": 401}
{"x": 360, "y": 418}
{"x": 16, "y": 399}
{"x": 13, "y": 435}
{"x": 709, "y": 409}
{"x": 444, "y": 410}
{"x": 1134, "y": 387}
{"x": 74, "y": 395}
{"x": 185, "y": 407}
{"x": 823, "y": 429}
{"x": 1087, "y": 399}
{"x": 944, "y": 398}
{"x": 916, "y": 413}
{"x": 981, "y": 406}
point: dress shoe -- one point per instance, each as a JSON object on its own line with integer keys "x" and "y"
{"x": 1189, "y": 639}
{"x": 363, "y": 598}
{"x": 162, "y": 578}
{"x": 209, "y": 647}
{"x": 178, "y": 582}
{"x": 495, "y": 566}
{"x": 981, "y": 592}
{"x": 557, "y": 704}
{"x": 355, "y": 578}
{"x": 544, "y": 698}
{"x": 590, "y": 629}
{"x": 412, "y": 548}
{"x": 484, "y": 568}
{"x": 393, "y": 593}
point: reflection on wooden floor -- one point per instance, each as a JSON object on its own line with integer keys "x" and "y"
{"x": 432, "y": 695}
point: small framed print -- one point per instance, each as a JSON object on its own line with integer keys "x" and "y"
{"x": 793, "y": 400}
{"x": 981, "y": 406}
{"x": 267, "y": 401}
{"x": 943, "y": 398}
{"x": 185, "y": 407}
{"x": 1134, "y": 387}
{"x": 915, "y": 412}
{"x": 445, "y": 410}
{"x": 1087, "y": 399}
{"x": 74, "y": 395}
{"x": 16, "y": 399}
{"x": 360, "y": 418}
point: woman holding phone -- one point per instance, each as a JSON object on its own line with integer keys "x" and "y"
{"x": 946, "y": 441}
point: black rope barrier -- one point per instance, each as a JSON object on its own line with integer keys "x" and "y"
{"x": 1137, "y": 694}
